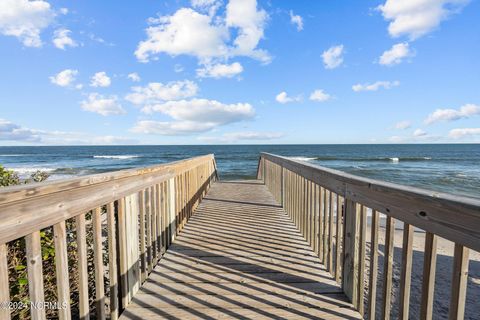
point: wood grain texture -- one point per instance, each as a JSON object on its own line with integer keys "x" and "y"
{"x": 35, "y": 274}
{"x": 98, "y": 264}
{"x": 84, "y": 312}
{"x": 61, "y": 270}
{"x": 112, "y": 261}
{"x": 459, "y": 283}
{"x": 429, "y": 268}
{"x": 4, "y": 288}
{"x": 406, "y": 272}
{"x": 388, "y": 268}
{"x": 240, "y": 257}
{"x": 372, "y": 281}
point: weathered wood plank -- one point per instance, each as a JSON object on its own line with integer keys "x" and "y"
{"x": 35, "y": 275}
{"x": 351, "y": 249}
{"x": 406, "y": 272}
{"x": 459, "y": 283}
{"x": 388, "y": 267}
{"x": 112, "y": 261}
{"x": 98, "y": 263}
{"x": 428, "y": 284}
{"x": 84, "y": 312}
{"x": 4, "y": 284}
{"x": 372, "y": 282}
{"x": 61, "y": 270}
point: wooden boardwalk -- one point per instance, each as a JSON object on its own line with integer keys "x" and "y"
{"x": 240, "y": 257}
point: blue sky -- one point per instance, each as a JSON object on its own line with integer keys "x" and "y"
{"x": 239, "y": 71}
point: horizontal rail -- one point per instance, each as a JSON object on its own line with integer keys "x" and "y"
{"x": 329, "y": 207}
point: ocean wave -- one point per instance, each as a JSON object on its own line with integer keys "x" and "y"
{"x": 29, "y": 170}
{"x": 120, "y": 157}
{"x": 391, "y": 159}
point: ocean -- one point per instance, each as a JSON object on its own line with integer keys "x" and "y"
{"x": 451, "y": 168}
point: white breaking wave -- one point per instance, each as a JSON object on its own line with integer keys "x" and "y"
{"x": 123, "y": 157}
{"x": 302, "y": 158}
{"x": 395, "y": 159}
{"x": 26, "y": 171}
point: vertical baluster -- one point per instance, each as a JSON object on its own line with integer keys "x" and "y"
{"x": 321, "y": 199}
{"x": 61, "y": 270}
{"x": 143, "y": 253}
{"x": 112, "y": 261}
{"x": 148, "y": 218}
{"x": 153, "y": 217}
{"x": 35, "y": 274}
{"x": 122, "y": 244}
{"x": 4, "y": 285}
{"x": 325, "y": 226}
{"x": 388, "y": 268}
{"x": 361, "y": 263}
{"x": 84, "y": 312}
{"x": 406, "y": 273}
{"x": 428, "y": 285}
{"x": 351, "y": 249}
{"x": 98, "y": 263}
{"x": 459, "y": 282}
{"x": 338, "y": 240}
{"x": 330, "y": 233}
{"x": 372, "y": 283}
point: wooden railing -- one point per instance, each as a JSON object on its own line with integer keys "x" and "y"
{"x": 132, "y": 215}
{"x": 330, "y": 209}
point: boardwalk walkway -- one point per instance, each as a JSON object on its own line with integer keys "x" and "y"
{"x": 240, "y": 257}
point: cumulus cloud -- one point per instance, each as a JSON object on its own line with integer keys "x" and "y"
{"x": 419, "y": 133}
{"x": 466, "y": 111}
{"x": 100, "y": 79}
{"x": 61, "y": 39}
{"x": 375, "y": 86}
{"x": 156, "y": 92}
{"x": 25, "y": 20}
{"x": 102, "y": 105}
{"x": 113, "y": 140}
{"x": 10, "y": 131}
{"x": 396, "y": 54}
{"x": 464, "y": 132}
{"x": 134, "y": 77}
{"x": 284, "y": 98}
{"x": 218, "y": 71}
{"x": 64, "y": 78}
{"x": 320, "y": 96}
{"x": 193, "y": 116}
{"x": 333, "y": 57}
{"x": 402, "y": 125}
{"x": 209, "y": 6}
{"x": 207, "y": 36}
{"x": 416, "y": 18}
{"x": 296, "y": 20}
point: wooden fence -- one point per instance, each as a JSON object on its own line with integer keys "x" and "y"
{"x": 134, "y": 216}
{"x": 330, "y": 209}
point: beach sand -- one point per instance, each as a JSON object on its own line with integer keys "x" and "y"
{"x": 442, "y": 282}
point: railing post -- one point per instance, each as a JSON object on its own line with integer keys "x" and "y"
{"x": 282, "y": 188}
{"x": 171, "y": 207}
{"x": 351, "y": 249}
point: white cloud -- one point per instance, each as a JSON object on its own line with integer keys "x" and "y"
{"x": 134, "y": 77}
{"x": 203, "y": 111}
{"x": 466, "y": 111}
{"x": 419, "y": 133}
{"x": 209, "y": 6}
{"x": 64, "y": 78}
{"x": 233, "y": 137}
{"x": 218, "y": 71}
{"x": 396, "y": 54}
{"x": 156, "y": 92}
{"x": 416, "y": 18}
{"x": 178, "y": 68}
{"x": 12, "y": 132}
{"x": 283, "y": 98}
{"x": 332, "y": 58}
{"x": 61, "y": 39}
{"x": 296, "y": 20}
{"x": 113, "y": 140}
{"x": 25, "y": 20}
{"x": 100, "y": 79}
{"x": 402, "y": 125}
{"x": 102, "y": 105}
{"x": 463, "y": 132}
{"x": 375, "y": 86}
{"x": 63, "y": 11}
{"x": 320, "y": 96}
{"x": 207, "y": 36}
{"x": 193, "y": 116}
{"x": 250, "y": 23}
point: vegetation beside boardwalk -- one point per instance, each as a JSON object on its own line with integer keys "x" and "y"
{"x": 17, "y": 263}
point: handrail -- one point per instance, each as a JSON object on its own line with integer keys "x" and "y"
{"x": 330, "y": 209}
{"x": 141, "y": 210}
